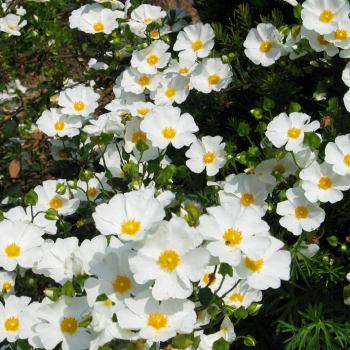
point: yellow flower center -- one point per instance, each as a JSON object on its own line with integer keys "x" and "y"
{"x": 108, "y": 303}
{"x": 294, "y": 133}
{"x": 99, "y": 26}
{"x": 347, "y": 159}
{"x": 12, "y": 324}
{"x": 169, "y": 260}
{"x": 184, "y": 70}
{"x": 325, "y": 183}
{"x": 92, "y": 192}
{"x": 59, "y": 126}
{"x": 147, "y": 20}
{"x": 157, "y": 321}
{"x": 122, "y": 284}
{"x": 236, "y": 297}
{"x": 7, "y": 107}
{"x": 154, "y": 34}
{"x": 197, "y": 45}
{"x": 169, "y": 133}
{"x": 209, "y": 278}
{"x": 69, "y": 325}
{"x": 143, "y": 81}
{"x": 266, "y": 46}
{"x": 122, "y": 174}
{"x": 322, "y": 40}
{"x": 6, "y": 117}
{"x": 13, "y": 250}
{"x": 301, "y": 212}
{"x": 7, "y": 286}
{"x": 137, "y": 136}
{"x": 62, "y": 155}
{"x": 79, "y": 106}
{"x": 213, "y": 79}
{"x": 279, "y": 167}
{"x": 247, "y": 199}
{"x": 187, "y": 86}
{"x": 341, "y": 34}
{"x": 56, "y": 203}
{"x": 131, "y": 227}
{"x": 36, "y": 130}
{"x": 143, "y": 111}
{"x": 232, "y": 237}
{"x": 209, "y": 158}
{"x": 171, "y": 92}
{"x": 152, "y": 60}
{"x": 53, "y": 98}
{"x": 326, "y": 16}
{"x": 12, "y": 27}
{"x": 254, "y": 265}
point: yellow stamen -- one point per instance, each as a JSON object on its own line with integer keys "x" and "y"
{"x": 341, "y": 34}
{"x": 326, "y": 16}
{"x": 122, "y": 284}
{"x": 197, "y": 45}
{"x": 69, "y": 325}
{"x": 266, "y": 46}
{"x": 12, "y": 324}
{"x": 99, "y": 27}
{"x": 279, "y": 167}
{"x": 143, "y": 81}
{"x": 56, "y": 203}
{"x": 59, "y": 126}
{"x": 143, "y": 111}
{"x": 92, "y": 192}
{"x": 322, "y": 40}
{"x": 294, "y": 133}
{"x": 232, "y": 237}
{"x": 7, "y": 286}
{"x": 209, "y": 158}
{"x": 169, "y": 133}
{"x": 137, "y": 136}
{"x": 347, "y": 159}
{"x": 171, "y": 92}
{"x": 157, "y": 321}
{"x": 301, "y": 212}
{"x": 254, "y": 265}
{"x": 247, "y": 199}
{"x": 131, "y": 227}
{"x": 79, "y": 106}
{"x": 213, "y": 79}
{"x": 152, "y": 60}
{"x": 13, "y": 250}
{"x": 236, "y": 297}
{"x": 184, "y": 70}
{"x": 169, "y": 260}
{"x": 325, "y": 183}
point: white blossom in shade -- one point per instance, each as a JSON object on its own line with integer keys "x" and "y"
{"x": 109, "y": 123}
{"x": 263, "y": 45}
{"x": 233, "y": 232}
{"x": 56, "y": 123}
{"x": 11, "y": 314}
{"x": 133, "y": 134}
{"x": 292, "y": 2}
{"x": 211, "y": 279}
{"x": 170, "y": 90}
{"x": 141, "y": 109}
{"x": 289, "y": 46}
{"x": 246, "y": 190}
{"x": 323, "y": 16}
{"x": 304, "y": 156}
{"x": 157, "y": 321}
{"x": 79, "y": 100}
{"x": 289, "y": 130}
{"x": 20, "y": 243}
{"x": 114, "y": 279}
{"x": 321, "y": 183}
{"x": 60, "y": 260}
{"x": 128, "y": 215}
{"x": 299, "y": 213}
{"x": 182, "y": 66}
{"x": 91, "y": 190}
{"x": 60, "y": 323}
{"x": 19, "y": 213}
{"x": 226, "y": 331}
{"x": 318, "y": 42}
{"x": 97, "y": 65}
{"x": 169, "y": 257}
{"x": 338, "y": 154}
{"x": 195, "y": 41}
{"x": 267, "y": 271}
{"x": 57, "y": 150}
{"x": 346, "y": 74}
{"x": 10, "y": 24}
{"x": 136, "y": 82}
{"x": 112, "y": 160}
{"x": 7, "y": 282}
{"x": 211, "y": 74}
{"x": 306, "y": 250}
{"x": 48, "y": 198}
{"x": 241, "y": 295}
{"x": 148, "y": 60}
{"x": 347, "y": 100}
{"x": 165, "y": 124}
{"x": 208, "y": 153}
{"x": 340, "y": 37}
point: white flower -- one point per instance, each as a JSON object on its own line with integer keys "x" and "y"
{"x": 10, "y": 24}
{"x": 207, "y": 154}
{"x": 136, "y": 82}
{"x": 308, "y": 250}
{"x": 340, "y": 37}
{"x": 338, "y": 154}
{"x": 97, "y": 65}
{"x": 264, "y": 44}
{"x": 92, "y": 188}
{"x": 7, "y": 282}
{"x": 318, "y": 42}
{"x": 109, "y": 123}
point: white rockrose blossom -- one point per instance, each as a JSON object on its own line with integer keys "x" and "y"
{"x": 97, "y": 65}
{"x": 318, "y": 42}
{"x": 195, "y": 41}
{"x": 289, "y": 130}
{"x": 112, "y": 160}
{"x": 7, "y": 282}
{"x": 136, "y": 82}
{"x": 148, "y": 60}
{"x": 299, "y": 213}
{"x": 90, "y": 190}
{"x": 56, "y": 123}
{"x": 291, "y": 43}
{"x": 165, "y": 124}
{"x": 267, "y": 271}
{"x": 292, "y": 2}
{"x": 208, "y": 154}
{"x": 233, "y": 232}
{"x": 321, "y": 183}
{"x": 109, "y": 123}
{"x": 181, "y": 66}
{"x": 79, "y": 100}
{"x": 20, "y": 243}
{"x": 157, "y": 321}
{"x": 171, "y": 258}
{"x": 10, "y": 24}
{"x": 48, "y": 198}
{"x": 340, "y": 37}
{"x": 57, "y": 150}
{"x": 323, "y": 16}
{"x": 346, "y": 74}
{"x": 304, "y": 156}
{"x": 338, "y": 154}
{"x": 211, "y": 279}
{"x": 128, "y": 215}
{"x": 11, "y": 315}
{"x": 211, "y": 74}
{"x": 170, "y": 90}
{"x": 263, "y": 45}
{"x": 141, "y": 109}
{"x": 306, "y": 250}
{"x": 60, "y": 323}
{"x": 246, "y": 190}
{"x": 347, "y": 100}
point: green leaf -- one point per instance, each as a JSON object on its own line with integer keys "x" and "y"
{"x": 68, "y": 289}
{"x": 23, "y": 344}
{"x": 268, "y": 104}
{"x": 10, "y": 129}
{"x": 297, "y": 11}
{"x": 225, "y": 269}
{"x": 249, "y": 341}
{"x": 2, "y": 217}
{"x": 312, "y": 140}
{"x": 221, "y": 344}
{"x": 81, "y": 279}
{"x": 142, "y": 146}
{"x": 294, "y": 107}
{"x": 243, "y": 129}
{"x": 241, "y": 313}
{"x": 182, "y": 341}
{"x": 51, "y": 214}
{"x": 11, "y": 191}
{"x": 31, "y": 198}
{"x": 333, "y": 241}
{"x": 205, "y": 296}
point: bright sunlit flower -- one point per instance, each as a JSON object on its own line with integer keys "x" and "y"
{"x": 10, "y": 24}
{"x": 338, "y": 154}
